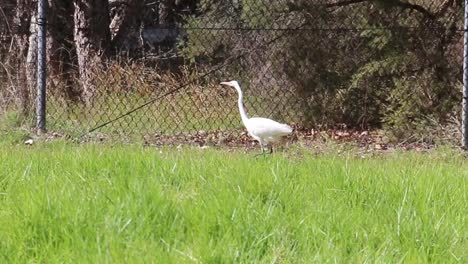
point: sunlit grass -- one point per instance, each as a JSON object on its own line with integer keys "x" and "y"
{"x": 198, "y": 109}
{"x": 105, "y": 204}
{"x": 169, "y": 115}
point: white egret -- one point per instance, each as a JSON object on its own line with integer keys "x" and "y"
{"x": 264, "y": 130}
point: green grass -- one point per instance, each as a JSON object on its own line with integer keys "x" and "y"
{"x": 206, "y": 110}
{"x": 169, "y": 115}
{"x": 122, "y": 204}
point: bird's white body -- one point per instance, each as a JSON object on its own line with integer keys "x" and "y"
{"x": 264, "y": 130}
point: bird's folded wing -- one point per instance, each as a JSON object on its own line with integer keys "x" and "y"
{"x": 267, "y": 127}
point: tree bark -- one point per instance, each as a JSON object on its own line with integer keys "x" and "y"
{"x": 60, "y": 49}
{"x": 125, "y": 25}
{"x": 92, "y": 41}
{"x": 31, "y": 58}
{"x": 166, "y": 12}
{"x": 24, "y": 38}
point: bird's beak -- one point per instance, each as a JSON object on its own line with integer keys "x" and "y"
{"x": 225, "y": 83}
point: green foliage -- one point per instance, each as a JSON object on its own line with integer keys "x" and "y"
{"x": 371, "y": 64}
{"x": 14, "y": 128}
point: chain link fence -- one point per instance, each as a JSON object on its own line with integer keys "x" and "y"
{"x": 350, "y": 63}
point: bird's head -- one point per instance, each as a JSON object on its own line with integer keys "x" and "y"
{"x": 234, "y": 84}
{"x": 231, "y": 83}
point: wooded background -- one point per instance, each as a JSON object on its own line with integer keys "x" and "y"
{"x": 327, "y": 63}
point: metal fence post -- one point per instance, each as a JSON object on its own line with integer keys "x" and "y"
{"x": 465, "y": 83}
{"x": 41, "y": 67}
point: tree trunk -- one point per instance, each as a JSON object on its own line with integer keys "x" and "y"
{"x": 166, "y": 12}
{"x": 23, "y": 28}
{"x": 31, "y": 58}
{"x": 125, "y": 25}
{"x": 92, "y": 41}
{"x": 60, "y": 49}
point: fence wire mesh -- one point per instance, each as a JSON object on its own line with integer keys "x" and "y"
{"x": 309, "y": 63}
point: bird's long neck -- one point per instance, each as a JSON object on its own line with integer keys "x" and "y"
{"x": 241, "y": 105}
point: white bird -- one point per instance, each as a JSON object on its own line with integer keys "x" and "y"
{"x": 264, "y": 130}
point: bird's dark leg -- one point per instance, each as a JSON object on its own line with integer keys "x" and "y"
{"x": 271, "y": 149}
{"x": 263, "y": 150}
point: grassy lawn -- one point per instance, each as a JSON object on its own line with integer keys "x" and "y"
{"x": 61, "y": 202}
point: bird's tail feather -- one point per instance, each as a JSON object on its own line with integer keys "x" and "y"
{"x": 287, "y": 129}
